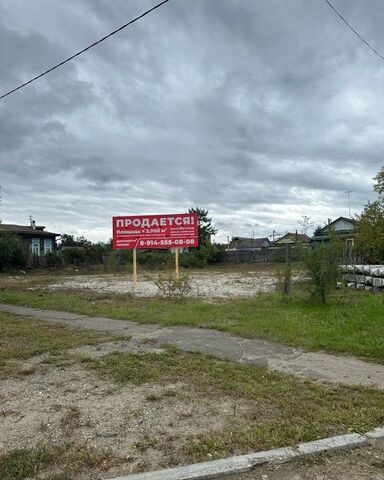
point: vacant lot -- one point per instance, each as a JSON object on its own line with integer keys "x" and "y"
{"x": 352, "y": 322}
{"x": 216, "y": 284}
{"x": 69, "y": 411}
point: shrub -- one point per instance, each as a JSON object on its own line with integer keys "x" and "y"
{"x": 73, "y": 256}
{"x": 322, "y": 263}
{"x": 198, "y": 258}
{"x": 13, "y": 253}
{"x": 171, "y": 286}
{"x": 156, "y": 259}
{"x": 52, "y": 259}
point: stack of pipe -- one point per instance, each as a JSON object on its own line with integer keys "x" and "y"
{"x": 363, "y": 277}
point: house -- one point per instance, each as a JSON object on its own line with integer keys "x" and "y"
{"x": 343, "y": 227}
{"x": 292, "y": 239}
{"x": 243, "y": 243}
{"x": 38, "y": 241}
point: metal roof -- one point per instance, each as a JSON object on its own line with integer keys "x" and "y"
{"x": 27, "y": 230}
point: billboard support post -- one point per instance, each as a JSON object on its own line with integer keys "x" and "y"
{"x": 177, "y": 263}
{"x": 168, "y": 231}
{"x": 134, "y": 267}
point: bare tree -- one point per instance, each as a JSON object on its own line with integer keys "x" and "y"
{"x": 305, "y": 223}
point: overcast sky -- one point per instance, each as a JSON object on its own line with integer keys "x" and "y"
{"x": 261, "y": 111}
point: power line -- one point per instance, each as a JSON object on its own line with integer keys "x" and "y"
{"x": 83, "y": 50}
{"x": 354, "y": 31}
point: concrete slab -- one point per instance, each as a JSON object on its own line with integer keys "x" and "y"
{"x": 245, "y": 463}
{"x": 332, "y": 443}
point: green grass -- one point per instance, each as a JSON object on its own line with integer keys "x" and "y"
{"x": 22, "y": 338}
{"x": 284, "y": 411}
{"x": 352, "y": 322}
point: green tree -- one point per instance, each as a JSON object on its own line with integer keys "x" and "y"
{"x": 322, "y": 263}
{"x": 13, "y": 253}
{"x": 379, "y": 185}
{"x": 206, "y": 229}
{"x": 370, "y": 237}
{"x": 370, "y": 225}
{"x": 71, "y": 241}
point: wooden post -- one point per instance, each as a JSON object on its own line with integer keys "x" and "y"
{"x": 134, "y": 267}
{"x": 287, "y": 273}
{"x": 177, "y": 263}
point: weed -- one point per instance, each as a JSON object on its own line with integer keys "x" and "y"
{"x": 170, "y": 392}
{"x": 284, "y": 406}
{"x": 25, "y": 463}
{"x": 170, "y": 286}
{"x": 152, "y": 398}
{"x": 146, "y": 442}
{"x": 70, "y": 420}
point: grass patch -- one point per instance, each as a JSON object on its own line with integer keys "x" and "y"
{"x": 352, "y": 322}
{"x": 285, "y": 410}
{"x": 22, "y": 338}
{"x": 68, "y": 459}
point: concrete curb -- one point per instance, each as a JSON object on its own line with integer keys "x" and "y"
{"x": 246, "y": 463}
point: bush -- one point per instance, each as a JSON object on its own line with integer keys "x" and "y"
{"x": 52, "y": 259}
{"x": 73, "y": 256}
{"x": 322, "y": 263}
{"x": 198, "y": 258}
{"x": 13, "y": 253}
{"x": 94, "y": 253}
{"x": 171, "y": 286}
{"x": 156, "y": 259}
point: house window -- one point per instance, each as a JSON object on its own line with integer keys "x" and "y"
{"x": 47, "y": 246}
{"x": 35, "y": 245}
{"x": 349, "y": 242}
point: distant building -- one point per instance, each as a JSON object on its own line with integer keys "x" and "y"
{"x": 243, "y": 243}
{"x": 343, "y": 227}
{"x": 38, "y": 241}
{"x": 292, "y": 239}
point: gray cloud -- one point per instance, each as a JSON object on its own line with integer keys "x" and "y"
{"x": 260, "y": 111}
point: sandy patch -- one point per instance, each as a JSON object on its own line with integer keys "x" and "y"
{"x": 206, "y": 285}
{"x": 146, "y": 426}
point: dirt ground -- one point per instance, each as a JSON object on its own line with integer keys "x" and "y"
{"x": 146, "y": 427}
{"x": 365, "y": 463}
{"x": 204, "y": 284}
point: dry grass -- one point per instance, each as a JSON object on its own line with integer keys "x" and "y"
{"x": 22, "y": 338}
{"x": 68, "y": 460}
{"x": 286, "y": 410}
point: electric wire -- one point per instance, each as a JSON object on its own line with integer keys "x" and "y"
{"x": 83, "y": 50}
{"x": 353, "y": 30}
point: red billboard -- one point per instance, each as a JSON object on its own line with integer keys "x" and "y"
{"x": 155, "y": 231}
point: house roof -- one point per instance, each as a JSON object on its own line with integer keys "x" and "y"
{"x": 298, "y": 237}
{"x": 27, "y": 230}
{"x": 250, "y": 243}
{"x": 346, "y": 219}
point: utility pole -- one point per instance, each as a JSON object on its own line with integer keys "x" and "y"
{"x": 287, "y": 270}
{"x": 348, "y": 192}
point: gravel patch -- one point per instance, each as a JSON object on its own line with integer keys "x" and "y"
{"x": 206, "y": 285}
{"x": 146, "y": 426}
